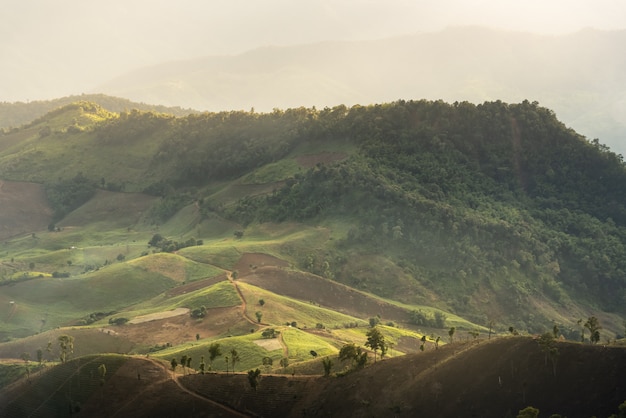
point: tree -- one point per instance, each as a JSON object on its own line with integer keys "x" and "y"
{"x": 261, "y": 302}
{"x": 234, "y": 358}
{"x": 528, "y": 412}
{"x": 253, "y": 378}
{"x": 202, "y": 365}
{"x": 102, "y": 371}
{"x": 173, "y": 363}
{"x": 269, "y": 333}
{"x": 39, "y": 355}
{"x": 284, "y": 362}
{"x": 328, "y": 364}
{"x": 259, "y": 315}
{"x": 423, "y": 340}
{"x": 267, "y": 362}
{"x": 376, "y": 341}
{"x": 451, "y": 333}
{"x": 593, "y": 325}
{"x": 214, "y": 352}
{"x": 356, "y": 355}
{"x": 546, "y": 343}
{"x": 490, "y": 325}
{"x": 183, "y": 362}
{"x": 66, "y": 344}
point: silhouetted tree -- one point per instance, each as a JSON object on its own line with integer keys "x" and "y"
{"x": 66, "y": 344}
{"x": 376, "y": 341}
{"x": 451, "y": 333}
{"x": 234, "y": 358}
{"x": 253, "y": 378}
{"x": 593, "y": 325}
{"x": 328, "y": 364}
{"x": 214, "y": 352}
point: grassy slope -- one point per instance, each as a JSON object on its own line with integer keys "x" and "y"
{"x": 114, "y": 223}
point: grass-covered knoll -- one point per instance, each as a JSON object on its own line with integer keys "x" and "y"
{"x": 219, "y": 295}
{"x": 250, "y": 354}
{"x": 45, "y": 303}
{"x": 176, "y": 267}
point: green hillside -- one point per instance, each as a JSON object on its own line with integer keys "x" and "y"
{"x": 496, "y": 213}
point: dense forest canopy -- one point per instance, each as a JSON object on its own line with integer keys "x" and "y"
{"x": 461, "y": 197}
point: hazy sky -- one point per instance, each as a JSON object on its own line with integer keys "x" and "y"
{"x": 64, "y": 47}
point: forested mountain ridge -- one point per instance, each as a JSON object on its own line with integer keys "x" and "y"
{"x": 578, "y": 75}
{"x": 489, "y": 211}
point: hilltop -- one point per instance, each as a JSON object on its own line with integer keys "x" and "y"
{"x": 493, "y": 378}
{"x": 15, "y": 114}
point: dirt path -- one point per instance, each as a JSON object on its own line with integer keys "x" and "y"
{"x": 176, "y": 380}
{"x": 244, "y": 305}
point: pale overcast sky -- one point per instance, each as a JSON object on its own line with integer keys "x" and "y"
{"x": 68, "y": 46}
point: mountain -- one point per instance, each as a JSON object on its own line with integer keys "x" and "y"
{"x": 19, "y": 113}
{"x": 581, "y": 76}
{"x": 311, "y": 242}
{"x": 450, "y": 205}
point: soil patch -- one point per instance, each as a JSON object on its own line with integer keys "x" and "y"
{"x": 182, "y": 328}
{"x": 24, "y": 208}
{"x": 270, "y": 344}
{"x": 326, "y": 293}
{"x": 159, "y": 315}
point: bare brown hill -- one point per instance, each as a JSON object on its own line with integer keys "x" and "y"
{"x": 23, "y": 208}
{"x": 487, "y": 379}
{"x": 495, "y": 378}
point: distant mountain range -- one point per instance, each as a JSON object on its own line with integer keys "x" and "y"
{"x": 581, "y": 76}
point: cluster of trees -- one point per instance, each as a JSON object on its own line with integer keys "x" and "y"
{"x": 169, "y": 246}
{"x": 66, "y": 195}
{"x": 421, "y": 318}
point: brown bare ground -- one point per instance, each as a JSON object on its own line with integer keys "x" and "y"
{"x": 181, "y": 329}
{"x": 23, "y": 208}
{"x": 311, "y": 288}
{"x": 159, "y": 315}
